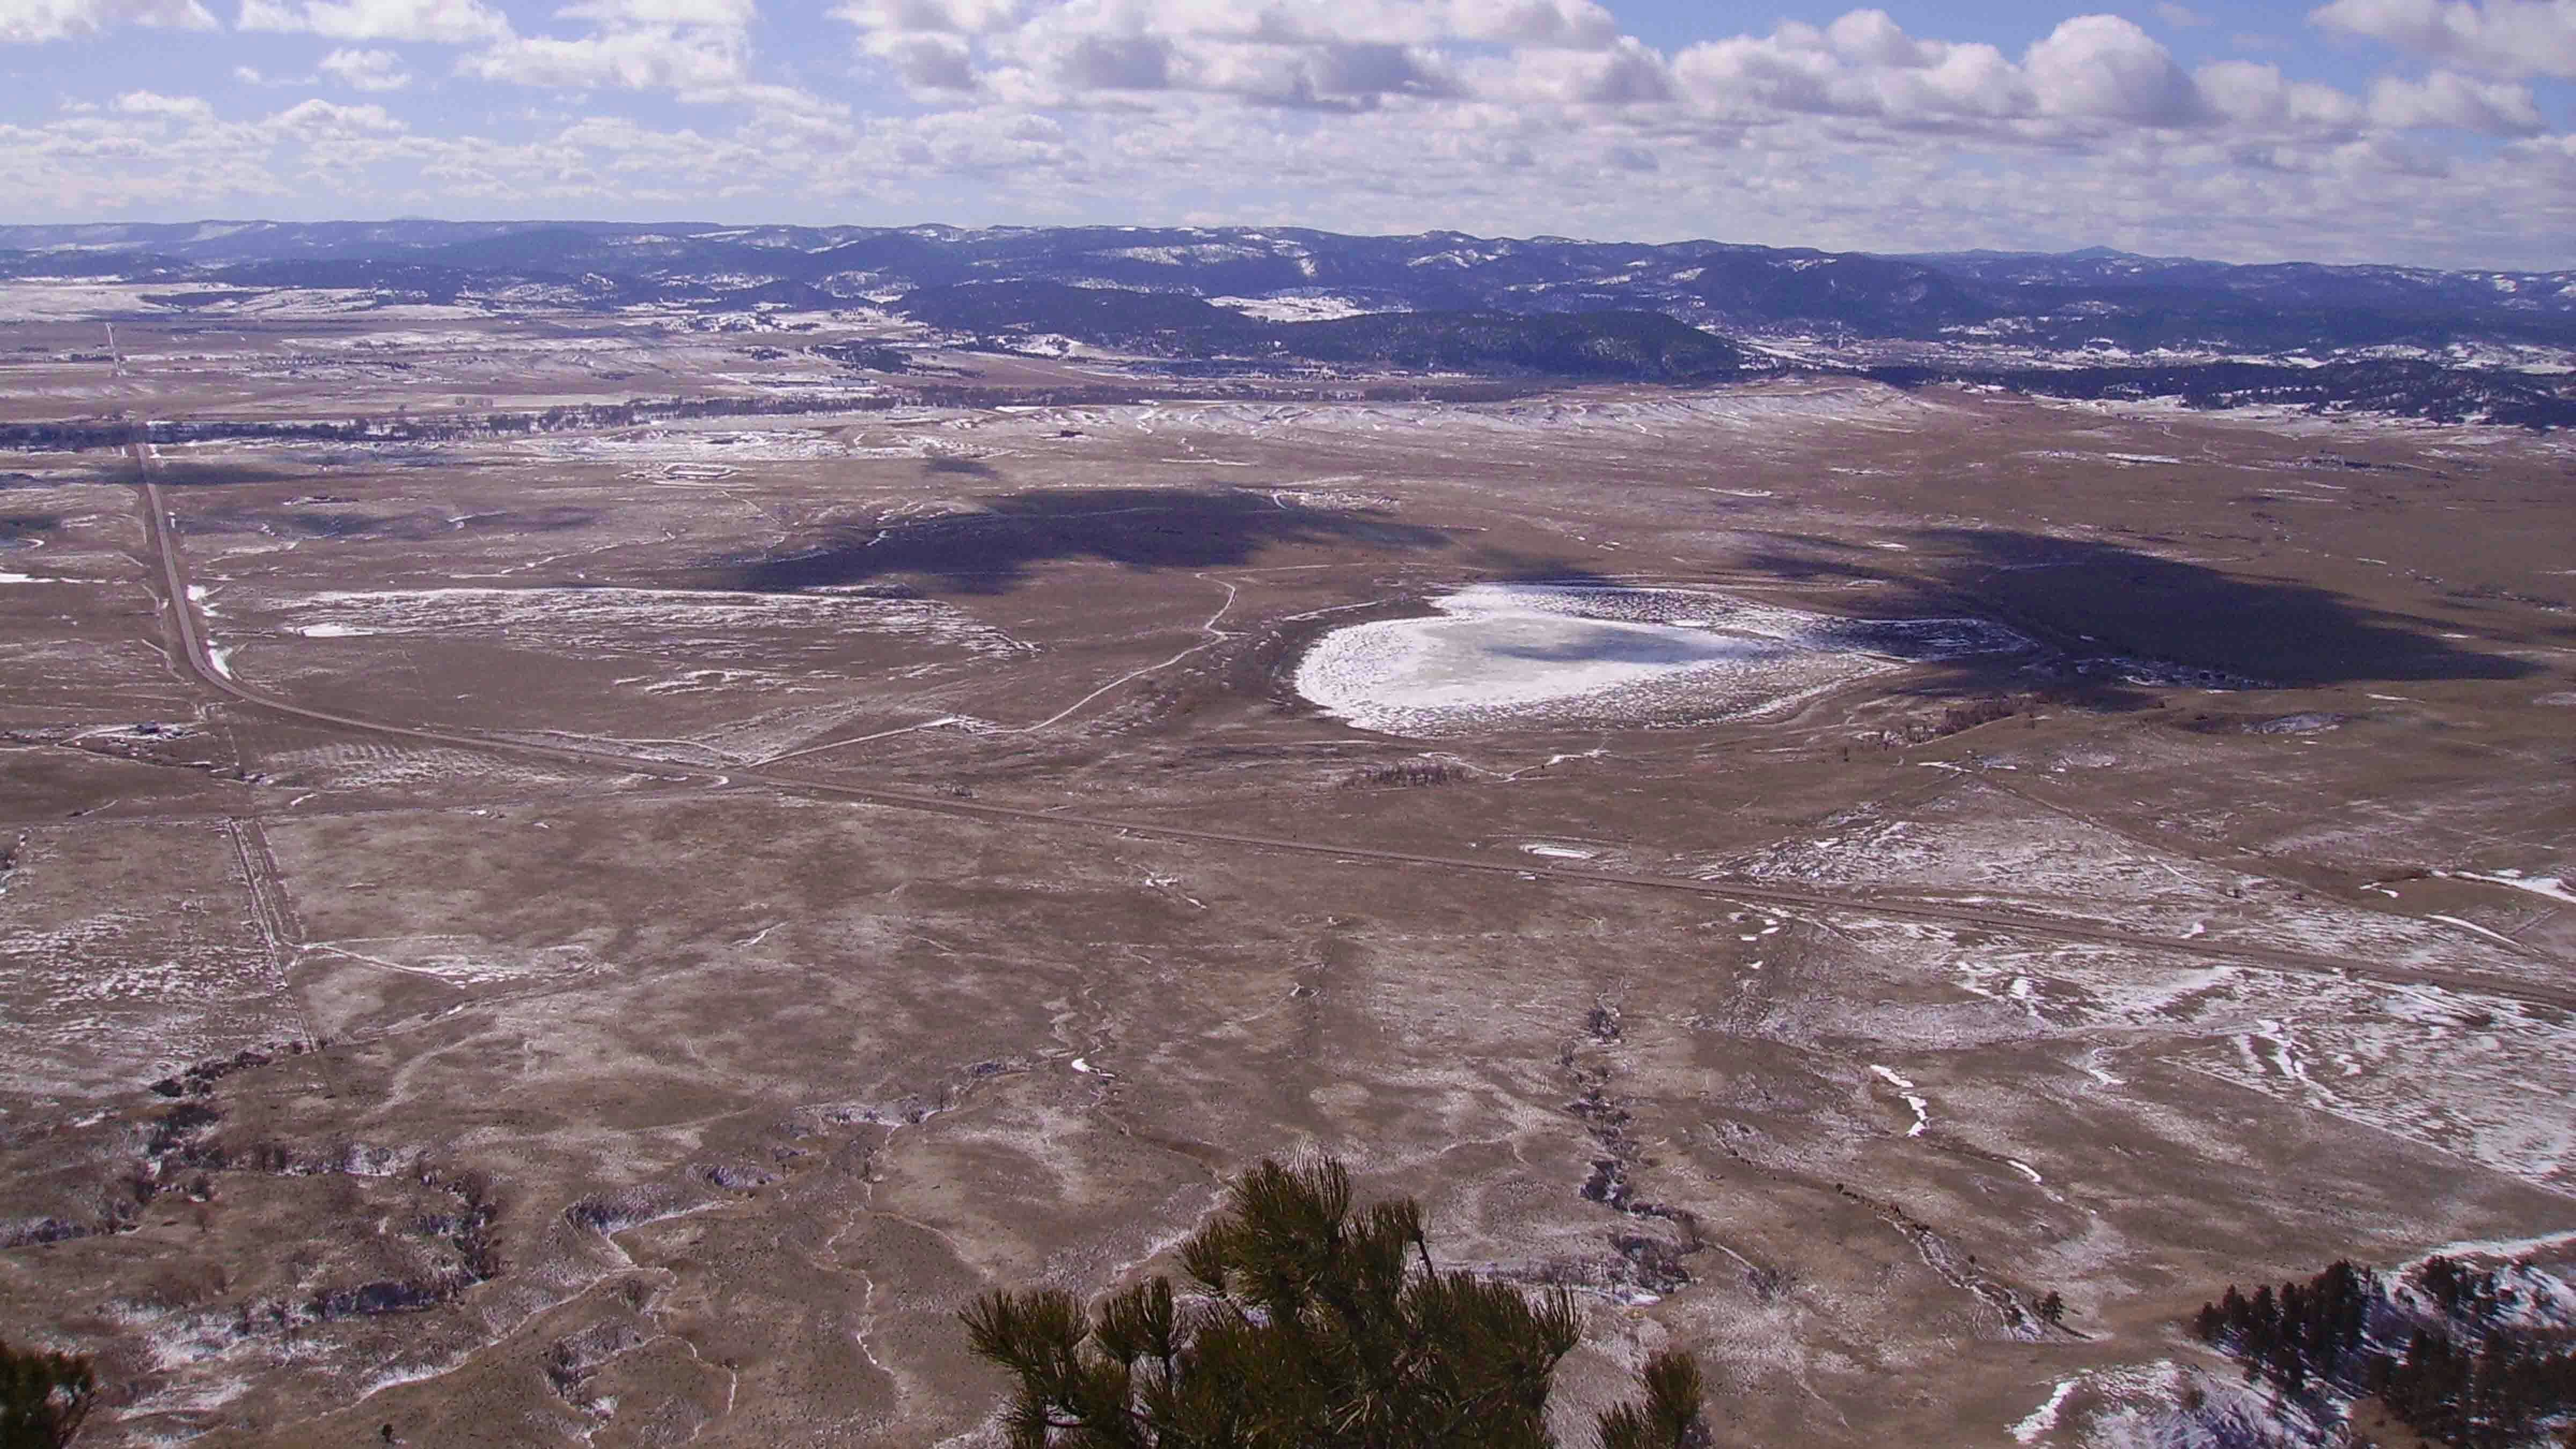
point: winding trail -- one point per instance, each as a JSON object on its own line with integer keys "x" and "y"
{"x": 192, "y": 649}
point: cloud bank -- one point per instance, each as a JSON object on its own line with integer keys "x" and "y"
{"x": 2448, "y": 143}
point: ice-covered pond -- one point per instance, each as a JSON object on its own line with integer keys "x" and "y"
{"x": 1495, "y": 655}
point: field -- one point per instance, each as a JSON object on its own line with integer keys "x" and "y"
{"x": 613, "y": 934}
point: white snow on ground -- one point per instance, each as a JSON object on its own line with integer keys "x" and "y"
{"x": 1905, "y": 1088}
{"x": 2448, "y": 1069}
{"x": 2442, "y": 1068}
{"x": 2510, "y": 1249}
{"x": 1499, "y": 654}
{"x": 41, "y": 299}
{"x": 2044, "y": 1418}
{"x": 2539, "y": 1294}
{"x": 2142, "y": 1408}
{"x": 1554, "y": 851}
{"x": 698, "y": 623}
{"x": 460, "y": 960}
{"x": 1978, "y": 837}
{"x": 30, "y": 579}
{"x": 2497, "y": 936}
{"x": 1297, "y": 309}
{"x": 2554, "y": 887}
{"x": 369, "y": 764}
{"x": 221, "y": 659}
{"x": 685, "y": 445}
{"x": 1757, "y": 414}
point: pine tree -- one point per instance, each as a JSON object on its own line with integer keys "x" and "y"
{"x": 1311, "y": 1326}
{"x": 43, "y": 1397}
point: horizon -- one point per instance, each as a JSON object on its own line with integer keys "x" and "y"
{"x": 1527, "y": 238}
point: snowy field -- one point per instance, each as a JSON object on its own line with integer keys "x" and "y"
{"x": 695, "y": 623}
{"x": 1745, "y": 410}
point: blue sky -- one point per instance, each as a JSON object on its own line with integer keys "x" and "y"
{"x": 2418, "y": 131}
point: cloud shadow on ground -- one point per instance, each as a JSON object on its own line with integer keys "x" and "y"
{"x": 995, "y": 549}
{"x": 2102, "y": 600}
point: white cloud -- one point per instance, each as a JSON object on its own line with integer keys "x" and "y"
{"x": 939, "y": 17}
{"x": 2504, "y": 37}
{"x": 1628, "y": 73}
{"x": 2256, "y": 97}
{"x": 2447, "y": 99}
{"x": 697, "y": 50}
{"x": 925, "y": 60}
{"x": 1536, "y": 22}
{"x": 27, "y": 21}
{"x": 2180, "y": 17}
{"x": 317, "y": 119}
{"x": 635, "y": 60}
{"x": 2104, "y": 67}
{"x": 2090, "y": 71}
{"x": 1579, "y": 23}
{"x": 1792, "y": 69}
{"x": 2550, "y": 159}
{"x": 366, "y": 70}
{"x": 1486, "y": 115}
{"x": 153, "y": 103}
{"x": 1215, "y": 47}
{"x": 1353, "y": 53}
{"x": 727, "y": 14}
{"x": 451, "y": 22}
{"x": 1863, "y": 65}
{"x": 1094, "y": 62}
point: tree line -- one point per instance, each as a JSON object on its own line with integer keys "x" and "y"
{"x": 2462, "y": 1368}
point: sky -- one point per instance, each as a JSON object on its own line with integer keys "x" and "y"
{"x": 2422, "y": 132}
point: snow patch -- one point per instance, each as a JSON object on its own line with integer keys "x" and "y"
{"x": 2044, "y": 1418}
{"x": 2473, "y": 926}
{"x": 1905, "y": 1088}
{"x": 2554, "y": 887}
{"x": 1297, "y": 308}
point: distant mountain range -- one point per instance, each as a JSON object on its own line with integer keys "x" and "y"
{"x": 1679, "y": 310}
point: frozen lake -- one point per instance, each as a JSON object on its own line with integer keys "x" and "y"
{"x": 1502, "y": 654}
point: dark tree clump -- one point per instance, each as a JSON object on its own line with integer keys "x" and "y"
{"x": 43, "y": 1397}
{"x": 2456, "y": 1366}
{"x": 1308, "y": 1325}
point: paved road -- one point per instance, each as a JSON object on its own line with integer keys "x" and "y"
{"x": 192, "y": 649}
